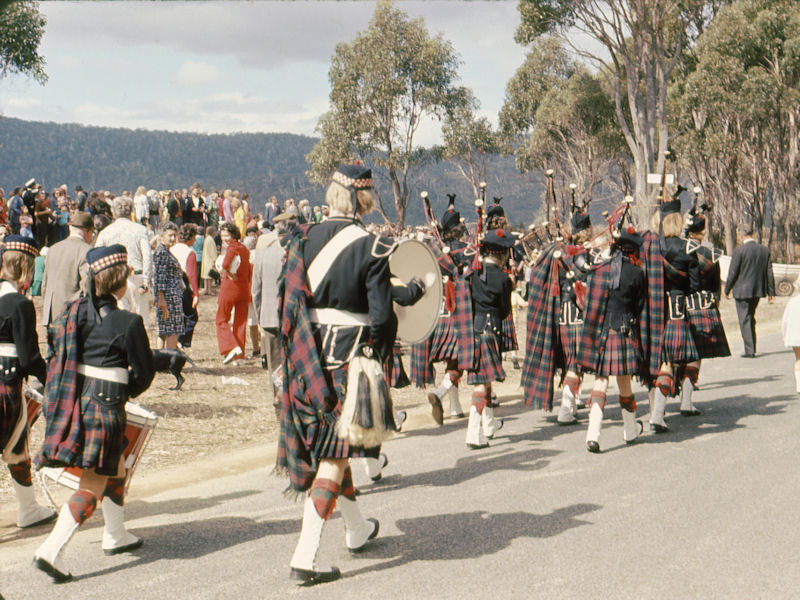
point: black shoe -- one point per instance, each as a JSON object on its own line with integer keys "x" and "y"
{"x": 308, "y": 577}
{"x": 746, "y": 355}
{"x": 690, "y": 413}
{"x": 58, "y": 576}
{"x": 478, "y": 446}
{"x": 659, "y": 428}
{"x": 126, "y": 548}
{"x": 516, "y": 365}
{"x": 437, "y": 412}
{"x": 638, "y": 433}
{"x": 264, "y": 361}
{"x": 372, "y": 536}
{"x": 565, "y": 423}
{"x": 593, "y": 447}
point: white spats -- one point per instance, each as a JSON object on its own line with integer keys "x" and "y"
{"x": 568, "y": 410}
{"x": 630, "y": 427}
{"x": 489, "y": 424}
{"x": 305, "y": 554}
{"x": 48, "y": 556}
{"x": 116, "y": 538}
{"x": 443, "y": 388}
{"x": 455, "y": 405}
{"x": 374, "y": 466}
{"x": 595, "y": 423}
{"x": 658, "y": 408}
{"x": 475, "y": 436}
{"x": 686, "y": 396}
{"x": 358, "y": 530}
{"x": 29, "y": 512}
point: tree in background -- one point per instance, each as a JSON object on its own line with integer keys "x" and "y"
{"x": 385, "y": 83}
{"x": 557, "y": 115}
{"x": 469, "y": 141}
{"x": 642, "y": 43}
{"x": 21, "y": 30}
{"x": 738, "y": 118}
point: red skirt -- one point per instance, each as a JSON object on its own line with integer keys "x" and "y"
{"x": 444, "y": 340}
{"x": 678, "y": 343}
{"x": 621, "y": 354}
{"x": 489, "y": 359}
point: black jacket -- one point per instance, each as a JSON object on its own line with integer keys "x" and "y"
{"x": 750, "y": 274}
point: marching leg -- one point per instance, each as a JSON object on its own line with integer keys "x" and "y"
{"x": 305, "y": 568}
{"x": 116, "y": 539}
{"x": 71, "y": 516}
{"x": 691, "y": 374}
{"x": 456, "y": 411}
{"x": 29, "y": 513}
{"x": 476, "y": 439}
{"x": 631, "y": 428}
{"x": 569, "y": 406}
{"x": 358, "y": 530}
{"x": 597, "y": 399}
{"x": 375, "y": 466}
{"x": 662, "y": 388}
{"x": 435, "y": 398}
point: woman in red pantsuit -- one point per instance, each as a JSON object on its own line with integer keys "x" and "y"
{"x": 234, "y": 294}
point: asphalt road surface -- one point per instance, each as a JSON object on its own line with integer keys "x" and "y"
{"x": 709, "y": 510}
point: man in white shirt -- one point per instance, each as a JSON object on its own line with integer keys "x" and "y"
{"x": 135, "y": 239}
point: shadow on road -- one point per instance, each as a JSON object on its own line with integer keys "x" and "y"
{"x": 478, "y": 534}
{"x": 193, "y": 539}
{"x": 737, "y": 382}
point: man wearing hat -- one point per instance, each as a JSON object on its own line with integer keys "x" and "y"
{"x": 65, "y": 270}
{"x": 491, "y": 304}
{"x": 335, "y": 296}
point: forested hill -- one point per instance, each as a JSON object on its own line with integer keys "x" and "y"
{"x": 261, "y": 164}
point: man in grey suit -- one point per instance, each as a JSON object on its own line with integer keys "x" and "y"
{"x": 266, "y": 269}
{"x": 750, "y": 278}
{"x": 65, "y": 268}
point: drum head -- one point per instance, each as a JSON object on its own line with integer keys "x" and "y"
{"x": 410, "y": 259}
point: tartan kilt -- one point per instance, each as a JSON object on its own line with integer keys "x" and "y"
{"x": 509, "y": 334}
{"x": 101, "y": 439}
{"x": 620, "y": 354}
{"x": 10, "y": 409}
{"x": 399, "y": 377}
{"x": 326, "y": 442}
{"x": 444, "y": 340}
{"x": 489, "y": 360}
{"x": 569, "y": 338}
{"x": 708, "y": 332}
{"x": 677, "y": 342}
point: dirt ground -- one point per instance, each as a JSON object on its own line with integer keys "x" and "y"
{"x": 207, "y": 417}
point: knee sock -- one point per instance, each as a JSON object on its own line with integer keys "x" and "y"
{"x": 348, "y": 489}
{"x": 82, "y": 504}
{"x": 115, "y": 490}
{"x": 628, "y": 403}
{"x": 573, "y": 382}
{"x": 691, "y": 373}
{"x": 665, "y": 384}
{"x": 21, "y": 473}
{"x": 480, "y": 400}
{"x": 323, "y": 494}
{"x": 597, "y": 397}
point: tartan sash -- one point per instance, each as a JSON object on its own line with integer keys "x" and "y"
{"x": 653, "y": 315}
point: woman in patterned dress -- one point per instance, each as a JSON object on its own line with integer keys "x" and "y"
{"x": 168, "y": 288}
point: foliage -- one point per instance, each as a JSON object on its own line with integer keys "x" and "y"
{"x": 21, "y": 29}
{"x": 385, "y": 84}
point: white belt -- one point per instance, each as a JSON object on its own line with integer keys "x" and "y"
{"x": 334, "y": 316}
{"x": 115, "y": 374}
{"x": 9, "y": 350}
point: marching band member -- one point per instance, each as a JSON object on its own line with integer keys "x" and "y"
{"x": 19, "y": 358}
{"x": 610, "y": 344}
{"x": 452, "y": 341}
{"x": 335, "y": 294}
{"x": 102, "y": 358}
{"x": 491, "y": 303}
{"x": 681, "y": 277}
{"x": 702, "y": 310}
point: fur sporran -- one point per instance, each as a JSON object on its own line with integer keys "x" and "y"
{"x": 367, "y": 417}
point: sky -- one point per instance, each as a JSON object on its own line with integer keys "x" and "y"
{"x": 225, "y": 67}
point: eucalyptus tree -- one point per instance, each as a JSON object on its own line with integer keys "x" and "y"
{"x": 386, "y": 83}
{"x": 637, "y": 46}
{"x": 21, "y": 30}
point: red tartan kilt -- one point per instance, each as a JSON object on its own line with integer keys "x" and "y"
{"x": 620, "y": 355}
{"x": 444, "y": 340}
{"x": 327, "y": 443}
{"x": 569, "y": 337}
{"x": 104, "y": 437}
{"x": 509, "y": 334}
{"x": 398, "y": 376}
{"x": 10, "y": 409}
{"x": 678, "y": 344}
{"x": 489, "y": 360}
{"x": 708, "y": 332}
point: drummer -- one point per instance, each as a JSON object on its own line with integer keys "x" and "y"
{"x": 102, "y": 358}
{"x": 19, "y": 358}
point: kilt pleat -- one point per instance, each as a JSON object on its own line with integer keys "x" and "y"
{"x": 104, "y": 437}
{"x": 569, "y": 337}
{"x": 620, "y": 354}
{"x": 509, "y": 334}
{"x": 444, "y": 341}
{"x": 489, "y": 360}
{"x": 399, "y": 378}
{"x": 708, "y": 332}
{"x": 10, "y": 409}
{"x": 678, "y": 343}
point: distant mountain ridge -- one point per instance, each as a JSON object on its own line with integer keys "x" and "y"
{"x": 261, "y": 164}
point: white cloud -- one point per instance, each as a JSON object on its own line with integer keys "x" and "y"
{"x": 193, "y": 73}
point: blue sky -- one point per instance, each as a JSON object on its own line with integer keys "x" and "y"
{"x": 223, "y": 67}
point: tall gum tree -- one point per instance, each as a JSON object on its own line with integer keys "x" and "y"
{"x": 21, "y": 30}
{"x": 385, "y": 83}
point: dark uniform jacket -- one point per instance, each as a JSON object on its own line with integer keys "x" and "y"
{"x": 491, "y": 297}
{"x": 18, "y": 327}
{"x": 357, "y": 282}
{"x": 750, "y": 274}
{"x": 625, "y": 303}
{"x": 681, "y": 270}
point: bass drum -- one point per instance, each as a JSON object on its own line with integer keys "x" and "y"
{"x": 411, "y": 259}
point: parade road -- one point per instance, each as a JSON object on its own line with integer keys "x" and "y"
{"x": 706, "y": 511}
